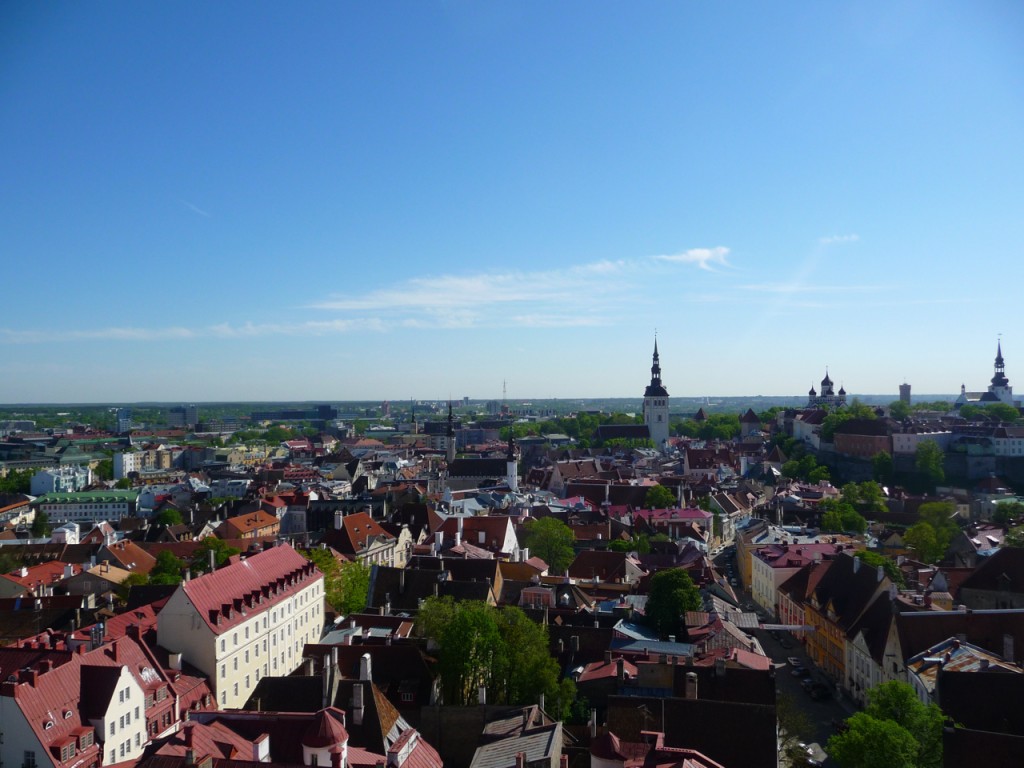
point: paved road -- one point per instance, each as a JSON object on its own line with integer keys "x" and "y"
{"x": 822, "y": 714}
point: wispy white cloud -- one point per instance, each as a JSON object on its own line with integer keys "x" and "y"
{"x": 578, "y": 295}
{"x": 704, "y": 258}
{"x": 195, "y": 208}
{"x": 834, "y": 239}
{"x": 218, "y": 331}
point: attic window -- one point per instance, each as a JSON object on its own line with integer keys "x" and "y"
{"x": 67, "y": 714}
{"x": 48, "y": 725}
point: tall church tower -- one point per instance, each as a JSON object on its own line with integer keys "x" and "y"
{"x": 656, "y": 405}
{"x": 1000, "y": 386}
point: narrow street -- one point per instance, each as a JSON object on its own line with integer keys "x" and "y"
{"x": 779, "y": 646}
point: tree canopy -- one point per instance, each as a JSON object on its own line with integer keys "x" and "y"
{"x": 346, "y": 585}
{"x": 16, "y": 481}
{"x": 659, "y": 497}
{"x": 934, "y": 531}
{"x": 40, "y": 524}
{"x": 672, "y": 593}
{"x": 552, "y": 541}
{"x": 221, "y": 552}
{"x": 717, "y": 426}
{"x": 838, "y": 516}
{"x": 929, "y": 461}
{"x": 498, "y": 648}
{"x": 167, "y": 570}
{"x": 855, "y": 410}
{"x": 895, "y": 729}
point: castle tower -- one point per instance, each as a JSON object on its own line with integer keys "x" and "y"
{"x": 656, "y": 405}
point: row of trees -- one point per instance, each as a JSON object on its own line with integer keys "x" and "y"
{"x": 500, "y": 649}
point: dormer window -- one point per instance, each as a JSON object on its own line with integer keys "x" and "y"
{"x": 48, "y": 725}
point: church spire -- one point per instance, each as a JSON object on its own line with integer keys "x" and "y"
{"x": 1000, "y": 380}
{"x": 655, "y": 366}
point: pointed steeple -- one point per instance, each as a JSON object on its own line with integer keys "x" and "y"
{"x": 1000, "y": 380}
{"x": 655, "y": 389}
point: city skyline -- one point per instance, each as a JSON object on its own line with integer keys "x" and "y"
{"x": 252, "y": 203}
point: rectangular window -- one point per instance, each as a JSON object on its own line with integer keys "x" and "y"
{"x": 111, "y": 727}
{"x": 136, "y": 713}
{"x": 30, "y": 758}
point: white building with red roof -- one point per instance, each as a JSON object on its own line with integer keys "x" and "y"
{"x": 245, "y": 621}
{"x": 82, "y": 708}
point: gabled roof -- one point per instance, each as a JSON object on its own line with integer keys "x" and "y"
{"x": 1003, "y": 571}
{"x": 255, "y": 583}
{"x": 357, "y": 533}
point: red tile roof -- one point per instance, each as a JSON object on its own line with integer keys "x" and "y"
{"x": 255, "y": 583}
{"x": 53, "y": 700}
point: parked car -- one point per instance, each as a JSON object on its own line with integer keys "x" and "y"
{"x": 794, "y": 661}
{"x": 798, "y": 671}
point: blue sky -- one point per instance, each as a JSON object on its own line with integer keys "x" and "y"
{"x": 250, "y": 201}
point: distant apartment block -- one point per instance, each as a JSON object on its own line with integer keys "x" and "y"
{"x": 183, "y": 416}
{"x": 86, "y": 506}
{"x": 66, "y": 479}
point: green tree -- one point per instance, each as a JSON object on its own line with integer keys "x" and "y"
{"x": 552, "y": 541}
{"x": 869, "y": 742}
{"x": 874, "y": 559}
{"x": 899, "y": 410}
{"x": 855, "y": 410}
{"x": 1014, "y": 537}
{"x": 168, "y": 516}
{"x": 921, "y": 538}
{"x": 133, "y": 580}
{"x": 872, "y": 500}
{"x": 40, "y": 525}
{"x": 832, "y": 521}
{"x": 123, "y": 484}
{"x": 671, "y": 594}
{"x": 897, "y": 702}
{"x": 839, "y": 515}
{"x": 355, "y": 587}
{"x": 477, "y": 644}
{"x": 819, "y": 474}
{"x": 882, "y": 467}
{"x": 104, "y": 469}
{"x": 221, "y": 552}
{"x": 16, "y": 481}
{"x": 659, "y": 497}
{"x": 1007, "y": 511}
{"x": 929, "y": 461}
{"x": 167, "y": 570}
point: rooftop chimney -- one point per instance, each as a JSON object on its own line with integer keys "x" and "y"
{"x": 365, "y": 667}
{"x": 691, "y": 685}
